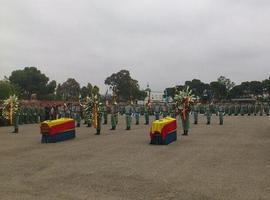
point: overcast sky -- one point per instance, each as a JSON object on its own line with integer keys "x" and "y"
{"x": 160, "y": 42}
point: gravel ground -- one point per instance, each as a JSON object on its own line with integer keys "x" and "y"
{"x": 212, "y": 163}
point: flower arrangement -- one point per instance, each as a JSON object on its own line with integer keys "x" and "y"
{"x": 184, "y": 100}
{"x": 10, "y": 108}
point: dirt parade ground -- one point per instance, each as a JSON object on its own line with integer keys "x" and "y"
{"x": 212, "y": 163}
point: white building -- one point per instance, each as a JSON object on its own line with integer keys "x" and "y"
{"x": 155, "y": 97}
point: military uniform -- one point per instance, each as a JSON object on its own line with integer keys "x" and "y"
{"x": 99, "y": 118}
{"x": 137, "y": 114}
{"x": 242, "y": 110}
{"x": 165, "y": 111}
{"x": 256, "y": 109}
{"x": 157, "y": 111}
{"x": 185, "y": 122}
{"x": 128, "y": 112}
{"x": 21, "y": 116}
{"x": 221, "y": 114}
{"x": 195, "y": 114}
{"x": 146, "y": 113}
{"x": 113, "y": 117}
{"x": 261, "y": 109}
{"x": 248, "y": 109}
{"x": 266, "y": 109}
{"x": 105, "y": 114}
{"x": 208, "y": 114}
{"x": 78, "y": 116}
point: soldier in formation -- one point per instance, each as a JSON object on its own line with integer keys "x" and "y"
{"x": 128, "y": 113}
{"x": 208, "y": 114}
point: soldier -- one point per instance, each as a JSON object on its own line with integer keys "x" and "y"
{"x": 184, "y": 114}
{"x": 157, "y": 111}
{"x": 216, "y": 108}
{"x": 105, "y": 114}
{"x": 242, "y": 110}
{"x": 261, "y": 109}
{"x": 221, "y": 114}
{"x": 230, "y": 110}
{"x": 195, "y": 113}
{"x": 236, "y": 108}
{"x": 117, "y": 113}
{"x": 208, "y": 114}
{"x": 32, "y": 114}
{"x": 266, "y": 109}
{"x": 226, "y": 109}
{"x": 128, "y": 112}
{"x": 165, "y": 110}
{"x": 252, "y": 108}
{"x": 137, "y": 114}
{"x": 21, "y": 116}
{"x": 147, "y": 108}
{"x": 88, "y": 112}
{"x": 113, "y": 116}
{"x": 42, "y": 113}
{"x": 256, "y": 109}
{"x": 99, "y": 118}
{"x": 36, "y": 117}
{"x": 248, "y": 109}
{"x": 61, "y": 112}
{"x": 78, "y": 115}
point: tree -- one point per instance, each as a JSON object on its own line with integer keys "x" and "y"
{"x": 125, "y": 87}
{"x": 256, "y": 88}
{"x": 86, "y": 90}
{"x": 197, "y": 87}
{"x": 266, "y": 86}
{"x": 49, "y": 92}
{"x": 236, "y": 92}
{"x": 7, "y": 89}
{"x": 30, "y": 80}
{"x": 219, "y": 90}
{"x": 69, "y": 90}
{"x": 227, "y": 82}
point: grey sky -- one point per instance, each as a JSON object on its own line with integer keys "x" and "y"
{"x": 160, "y": 42}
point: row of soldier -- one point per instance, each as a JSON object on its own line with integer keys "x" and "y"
{"x": 34, "y": 114}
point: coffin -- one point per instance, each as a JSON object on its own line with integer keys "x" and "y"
{"x": 57, "y": 130}
{"x": 163, "y": 131}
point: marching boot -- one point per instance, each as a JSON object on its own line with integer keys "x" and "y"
{"x": 113, "y": 128}
{"x": 16, "y": 130}
{"x": 128, "y": 128}
{"x": 98, "y": 132}
{"x": 78, "y": 124}
{"x": 186, "y": 132}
